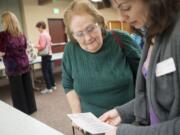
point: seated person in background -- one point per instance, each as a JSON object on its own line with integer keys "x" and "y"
{"x": 97, "y": 73}
{"x": 155, "y": 110}
{"x": 13, "y": 50}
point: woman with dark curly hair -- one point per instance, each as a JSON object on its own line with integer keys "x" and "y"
{"x": 156, "y": 106}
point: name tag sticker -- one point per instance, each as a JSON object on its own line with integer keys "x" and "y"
{"x": 165, "y": 67}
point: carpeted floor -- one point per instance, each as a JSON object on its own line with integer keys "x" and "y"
{"x": 52, "y": 107}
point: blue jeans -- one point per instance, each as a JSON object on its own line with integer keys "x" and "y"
{"x": 47, "y": 71}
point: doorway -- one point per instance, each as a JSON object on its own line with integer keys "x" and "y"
{"x": 58, "y": 35}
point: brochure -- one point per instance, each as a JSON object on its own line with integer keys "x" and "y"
{"x": 90, "y": 123}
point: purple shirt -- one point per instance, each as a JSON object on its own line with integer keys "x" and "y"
{"x": 15, "y": 58}
{"x": 153, "y": 118}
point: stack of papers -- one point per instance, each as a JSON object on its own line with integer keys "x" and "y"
{"x": 90, "y": 123}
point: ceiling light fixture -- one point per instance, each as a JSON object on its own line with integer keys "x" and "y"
{"x": 96, "y": 0}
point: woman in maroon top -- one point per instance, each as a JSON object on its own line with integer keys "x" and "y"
{"x": 13, "y": 50}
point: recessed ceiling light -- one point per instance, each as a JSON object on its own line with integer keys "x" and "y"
{"x": 96, "y": 0}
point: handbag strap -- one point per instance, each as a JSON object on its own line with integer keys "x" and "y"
{"x": 119, "y": 42}
{"x": 117, "y": 39}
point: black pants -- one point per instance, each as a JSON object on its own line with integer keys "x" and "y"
{"x": 22, "y": 93}
{"x": 47, "y": 71}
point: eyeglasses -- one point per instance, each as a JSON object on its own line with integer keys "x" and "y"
{"x": 88, "y": 30}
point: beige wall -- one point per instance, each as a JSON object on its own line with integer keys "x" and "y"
{"x": 33, "y": 13}
{"x": 109, "y": 14}
{"x": 12, "y": 5}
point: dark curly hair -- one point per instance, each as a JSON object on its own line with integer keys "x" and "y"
{"x": 162, "y": 14}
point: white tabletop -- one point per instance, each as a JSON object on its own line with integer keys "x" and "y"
{"x": 14, "y": 122}
{"x": 55, "y": 56}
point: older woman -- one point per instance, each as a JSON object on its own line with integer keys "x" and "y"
{"x": 157, "y": 101}
{"x": 97, "y": 73}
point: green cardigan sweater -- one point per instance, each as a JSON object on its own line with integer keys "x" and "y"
{"x": 103, "y": 79}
